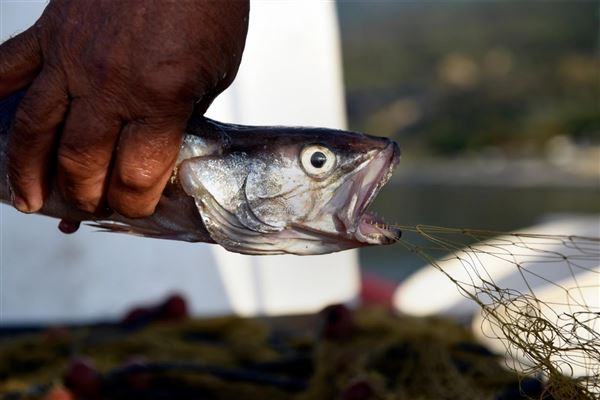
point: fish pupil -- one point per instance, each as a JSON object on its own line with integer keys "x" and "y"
{"x": 318, "y": 159}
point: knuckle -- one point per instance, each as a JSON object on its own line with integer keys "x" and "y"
{"x": 104, "y": 68}
{"x": 136, "y": 180}
{"x": 74, "y": 162}
{"x": 168, "y": 82}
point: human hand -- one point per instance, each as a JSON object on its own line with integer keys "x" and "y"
{"x": 111, "y": 86}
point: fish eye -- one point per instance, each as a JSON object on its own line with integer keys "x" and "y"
{"x": 317, "y": 161}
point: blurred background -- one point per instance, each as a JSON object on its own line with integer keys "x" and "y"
{"x": 495, "y": 104}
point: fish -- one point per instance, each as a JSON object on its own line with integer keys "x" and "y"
{"x": 255, "y": 190}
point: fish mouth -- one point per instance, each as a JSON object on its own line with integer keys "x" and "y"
{"x": 373, "y": 230}
{"x": 364, "y": 226}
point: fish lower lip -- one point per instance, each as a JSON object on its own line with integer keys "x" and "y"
{"x": 371, "y": 229}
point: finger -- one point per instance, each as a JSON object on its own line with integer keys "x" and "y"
{"x": 144, "y": 162}
{"x": 32, "y": 140}
{"x": 20, "y": 62}
{"x": 84, "y": 154}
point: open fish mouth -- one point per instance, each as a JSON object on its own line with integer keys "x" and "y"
{"x": 373, "y": 230}
{"x": 362, "y": 187}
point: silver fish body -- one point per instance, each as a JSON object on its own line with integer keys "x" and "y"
{"x": 256, "y": 190}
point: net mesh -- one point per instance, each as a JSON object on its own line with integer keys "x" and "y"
{"x": 541, "y": 303}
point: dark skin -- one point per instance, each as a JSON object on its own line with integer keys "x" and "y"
{"x": 111, "y": 85}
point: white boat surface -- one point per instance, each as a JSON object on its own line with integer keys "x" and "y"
{"x": 429, "y": 291}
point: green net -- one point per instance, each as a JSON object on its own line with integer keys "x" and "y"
{"x": 539, "y": 297}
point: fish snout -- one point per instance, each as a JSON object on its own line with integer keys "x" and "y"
{"x": 393, "y": 151}
{"x": 396, "y": 153}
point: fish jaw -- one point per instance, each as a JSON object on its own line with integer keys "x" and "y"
{"x": 366, "y": 227}
{"x": 359, "y": 225}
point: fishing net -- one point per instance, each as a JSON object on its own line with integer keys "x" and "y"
{"x": 539, "y": 297}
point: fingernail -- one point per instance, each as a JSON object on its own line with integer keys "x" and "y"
{"x": 25, "y": 206}
{"x": 20, "y": 204}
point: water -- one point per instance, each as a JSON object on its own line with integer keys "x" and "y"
{"x": 489, "y": 208}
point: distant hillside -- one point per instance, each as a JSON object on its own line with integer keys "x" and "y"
{"x": 453, "y": 76}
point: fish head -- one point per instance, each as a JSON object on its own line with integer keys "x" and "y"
{"x": 278, "y": 190}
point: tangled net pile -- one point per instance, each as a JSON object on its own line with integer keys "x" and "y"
{"x": 550, "y": 326}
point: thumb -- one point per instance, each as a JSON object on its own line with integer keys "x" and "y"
{"x": 20, "y": 61}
